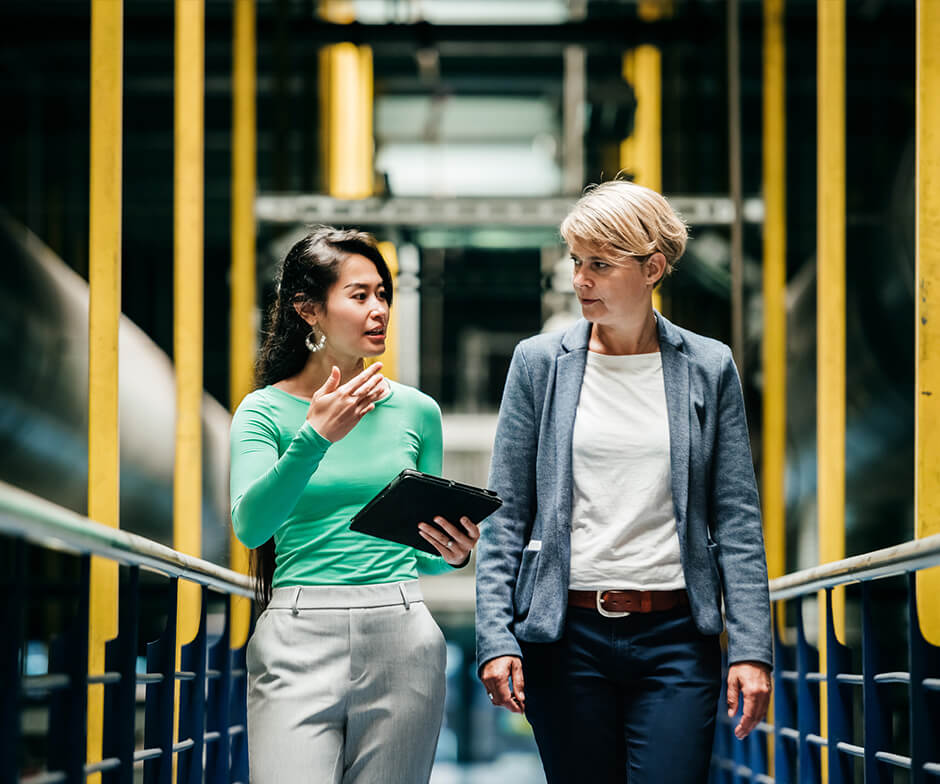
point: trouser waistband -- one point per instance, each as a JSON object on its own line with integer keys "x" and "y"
{"x": 344, "y": 597}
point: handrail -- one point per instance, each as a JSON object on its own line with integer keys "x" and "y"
{"x": 42, "y": 522}
{"x": 916, "y": 554}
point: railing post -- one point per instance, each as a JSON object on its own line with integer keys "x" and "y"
{"x": 876, "y": 730}
{"x": 121, "y": 697}
{"x": 192, "y": 721}
{"x": 158, "y": 721}
{"x": 784, "y": 705}
{"x": 218, "y": 703}
{"x": 239, "y": 714}
{"x": 924, "y": 703}
{"x": 838, "y": 700}
{"x": 12, "y": 612}
{"x": 68, "y": 655}
{"x": 807, "y": 704}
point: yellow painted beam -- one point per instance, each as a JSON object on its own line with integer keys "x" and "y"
{"x": 830, "y": 309}
{"x": 390, "y": 357}
{"x": 774, "y": 340}
{"x": 927, "y": 251}
{"x": 104, "y": 312}
{"x": 774, "y": 289}
{"x": 346, "y": 109}
{"x": 641, "y": 152}
{"x": 346, "y": 87}
{"x": 188, "y": 304}
{"x": 243, "y": 329}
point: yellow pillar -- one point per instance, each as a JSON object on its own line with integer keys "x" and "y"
{"x": 346, "y": 136}
{"x": 927, "y": 251}
{"x": 774, "y": 342}
{"x": 187, "y": 303}
{"x": 390, "y": 357}
{"x": 774, "y": 289}
{"x": 641, "y": 152}
{"x": 346, "y": 111}
{"x": 830, "y": 305}
{"x": 243, "y": 275}
{"x": 104, "y": 312}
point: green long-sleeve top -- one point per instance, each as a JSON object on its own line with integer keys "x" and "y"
{"x": 291, "y": 483}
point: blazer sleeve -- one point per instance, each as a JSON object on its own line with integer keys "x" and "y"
{"x": 736, "y": 527}
{"x": 503, "y": 534}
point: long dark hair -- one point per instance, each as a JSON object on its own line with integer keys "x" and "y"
{"x": 306, "y": 276}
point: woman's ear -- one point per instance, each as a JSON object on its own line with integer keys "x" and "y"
{"x": 306, "y": 310}
{"x": 655, "y": 268}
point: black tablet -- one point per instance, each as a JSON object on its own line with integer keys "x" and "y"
{"x": 413, "y": 497}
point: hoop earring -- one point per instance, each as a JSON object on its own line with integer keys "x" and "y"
{"x": 313, "y": 343}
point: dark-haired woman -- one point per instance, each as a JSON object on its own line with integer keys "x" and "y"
{"x": 346, "y": 664}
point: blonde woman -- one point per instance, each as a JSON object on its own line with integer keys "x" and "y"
{"x": 630, "y": 513}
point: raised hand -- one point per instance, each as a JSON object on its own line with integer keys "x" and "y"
{"x": 336, "y": 409}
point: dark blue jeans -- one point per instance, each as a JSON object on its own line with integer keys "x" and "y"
{"x": 628, "y": 699}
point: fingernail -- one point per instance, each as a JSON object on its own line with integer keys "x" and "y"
{"x": 438, "y": 519}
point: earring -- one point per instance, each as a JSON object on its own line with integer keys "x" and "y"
{"x": 313, "y": 343}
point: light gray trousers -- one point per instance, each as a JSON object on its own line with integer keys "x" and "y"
{"x": 345, "y": 686}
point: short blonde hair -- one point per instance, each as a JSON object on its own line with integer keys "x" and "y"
{"x": 622, "y": 219}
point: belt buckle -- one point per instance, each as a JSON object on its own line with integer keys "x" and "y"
{"x": 602, "y": 611}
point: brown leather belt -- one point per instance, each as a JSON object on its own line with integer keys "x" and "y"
{"x": 629, "y": 601}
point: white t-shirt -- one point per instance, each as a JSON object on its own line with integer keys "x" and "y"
{"x": 623, "y": 525}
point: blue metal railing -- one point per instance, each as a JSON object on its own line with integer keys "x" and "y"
{"x": 881, "y": 723}
{"x": 45, "y": 555}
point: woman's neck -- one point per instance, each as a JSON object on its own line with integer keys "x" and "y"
{"x": 639, "y": 337}
{"x": 316, "y": 371}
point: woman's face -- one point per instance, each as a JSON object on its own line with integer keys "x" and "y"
{"x": 355, "y": 318}
{"x": 611, "y": 290}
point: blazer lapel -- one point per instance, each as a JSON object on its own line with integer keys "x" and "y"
{"x": 676, "y": 381}
{"x": 569, "y": 373}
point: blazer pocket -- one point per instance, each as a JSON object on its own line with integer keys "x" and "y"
{"x": 525, "y": 582}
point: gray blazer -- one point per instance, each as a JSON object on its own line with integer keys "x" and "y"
{"x": 523, "y": 557}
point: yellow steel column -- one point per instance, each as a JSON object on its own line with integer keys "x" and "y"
{"x": 346, "y": 111}
{"x": 188, "y": 302}
{"x": 774, "y": 342}
{"x": 243, "y": 275}
{"x": 830, "y": 307}
{"x": 641, "y": 152}
{"x": 390, "y": 357}
{"x": 346, "y": 136}
{"x": 774, "y": 288}
{"x": 927, "y": 407}
{"x": 104, "y": 312}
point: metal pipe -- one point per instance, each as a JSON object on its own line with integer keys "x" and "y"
{"x": 916, "y": 554}
{"x": 34, "y": 519}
